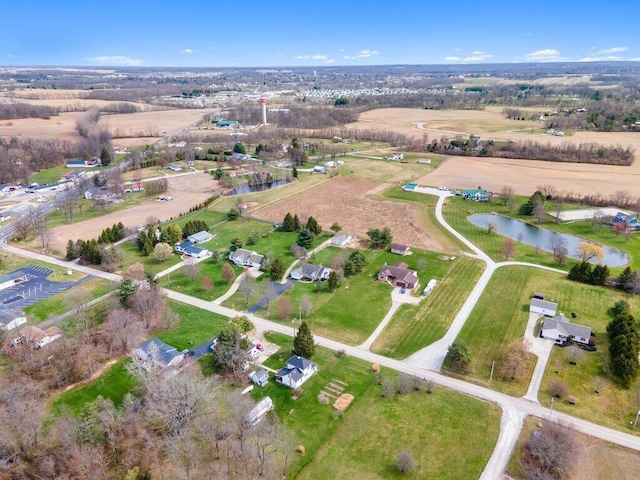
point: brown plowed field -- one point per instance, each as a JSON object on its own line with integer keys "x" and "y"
{"x": 348, "y": 202}
{"x": 188, "y": 190}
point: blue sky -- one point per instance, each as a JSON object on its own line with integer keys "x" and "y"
{"x": 288, "y": 33}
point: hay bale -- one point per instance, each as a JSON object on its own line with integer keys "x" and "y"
{"x": 376, "y": 368}
{"x": 343, "y": 402}
{"x": 300, "y": 449}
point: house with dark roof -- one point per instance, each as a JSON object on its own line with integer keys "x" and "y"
{"x": 260, "y": 378}
{"x": 246, "y": 258}
{"x": 400, "y": 249}
{"x": 297, "y": 371}
{"x": 310, "y": 273}
{"x": 189, "y": 249}
{"x": 398, "y": 275}
{"x": 630, "y": 221}
{"x": 561, "y": 330}
{"x": 154, "y": 353}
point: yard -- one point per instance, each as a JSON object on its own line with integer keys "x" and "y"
{"x": 196, "y": 325}
{"x": 415, "y": 327}
{"x": 428, "y": 426}
{"x": 179, "y": 282}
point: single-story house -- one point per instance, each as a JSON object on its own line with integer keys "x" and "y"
{"x": 399, "y": 275}
{"x": 260, "y": 378}
{"x": 319, "y": 169}
{"x": 341, "y": 239}
{"x": 430, "y": 286}
{"x": 10, "y": 318}
{"x": 475, "y": 194}
{"x": 410, "y": 187}
{"x": 226, "y": 123}
{"x": 188, "y": 248}
{"x": 13, "y": 278}
{"x": 560, "y": 329}
{"x": 258, "y": 412}
{"x": 632, "y": 222}
{"x": 543, "y": 307}
{"x": 137, "y": 187}
{"x": 174, "y": 167}
{"x": 94, "y": 162}
{"x": 37, "y": 337}
{"x": 400, "y": 249}
{"x": 200, "y": 237}
{"x": 310, "y": 272}
{"x": 297, "y": 371}
{"x": 246, "y": 258}
{"x": 155, "y": 353}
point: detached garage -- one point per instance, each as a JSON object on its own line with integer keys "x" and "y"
{"x": 543, "y": 307}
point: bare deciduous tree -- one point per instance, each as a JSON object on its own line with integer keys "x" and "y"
{"x": 551, "y": 453}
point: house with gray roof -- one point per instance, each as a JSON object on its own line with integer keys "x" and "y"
{"x": 11, "y": 318}
{"x": 310, "y": 272}
{"x": 543, "y": 307}
{"x": 561, "y": 330}
{"x": 13, "y": 278}
{"x": 246, "y": 258}
{"x": 154, "y": 353}
{"x": 297, "y": 371}
{"x": 201, "y": 237}
{"x": 341, "y": 239}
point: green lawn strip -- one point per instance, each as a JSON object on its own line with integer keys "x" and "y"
{"x": 363, "y": 442}
{"x": 114, "y": 384}
{"x": 196, "y": 325}
{"x": 425, "y": 206}
{"x": 58, "y": 304}
{"x": 131, "y": 254}
{"x": 54, "y": 174}
{"x": 179, "y": 282}
{"x": 500, "y": 317}
{"x": 415, "y": 327}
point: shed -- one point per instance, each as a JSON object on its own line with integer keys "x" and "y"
{"x": 258, "y": 412}
{"x": 260, "y": 378}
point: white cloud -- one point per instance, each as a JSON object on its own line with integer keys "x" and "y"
{"x": 456, "y": 50}
{"x": 451, "y": 59}
{"x": 477, "y": 57}
{"x": 315, "y": 56}
{"x": 362, "y": 54}
{"x": 545, "y": 55}
{"x": 609, "y": 51}
{"x": 115, "y": 60}
{"x": 188, "y": 51}
{"x": 10, "y": 55}
{"x": 602, "y": 58}
{"x": 634, "y": 59}
{"x": 329, "y": 61}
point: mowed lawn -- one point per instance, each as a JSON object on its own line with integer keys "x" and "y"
{"x": 179, "y": 282}
{"x": 499, "y": 318}
{"x": 363, "y": 442}
{"x": 196, "y": 325}
{"x": 114, "y": 384}
{"x": 415, "y": 327}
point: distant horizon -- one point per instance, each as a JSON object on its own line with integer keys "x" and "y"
{"x": 252, "y": 35}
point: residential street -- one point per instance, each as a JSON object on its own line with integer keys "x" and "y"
{"x": 426, "y": 363}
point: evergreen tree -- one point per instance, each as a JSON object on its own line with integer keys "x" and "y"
{"x": 380, "y": 238}
{"x": 173, "y": 234}
{"x": 236, "y": 243}
{"x": 125, "y": 292}
{"x": 303, "y": 344}
{"x": 105, "y": 157}
{"x": 294, "y": 172}
{"x": 599, "y": 275}
{"x": 624, "y": 277}
{"x": 305, "y": 238}
{"x": 277, "y": 269}
{"x": 624, "y": 347}
{"x": 239, "y": 148}
{"x": 287, "y": 224}
{"x": 355, "y": 263}
{"x": 580, "y": 272}
{"x": 71, "y": 251}
{"x": 296, "y": 223}
{"x": 147, "y": 247}
{"x": 458, "y": 357}
{"x": 529, "y": 206}
{"x": 313, "y": 226}
{"x": 333, "y": 281}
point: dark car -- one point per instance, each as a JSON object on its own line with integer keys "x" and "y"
{"x": 189, "y": 353}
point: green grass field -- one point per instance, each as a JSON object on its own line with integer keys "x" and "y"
{"x": 196, "y": 325}
{"x": 114, "y": 384}
{"x": 363, "y": 442}
{"x": 415, "y": 327}
{"x": 59, "y": 304}
{"x": 179, "y": 282}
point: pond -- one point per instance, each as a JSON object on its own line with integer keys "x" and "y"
{"x": 244, "y": 189}
{"x": 544, "y": 238}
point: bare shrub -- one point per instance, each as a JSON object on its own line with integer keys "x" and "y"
{"x": 405, "y": 462}
{"x": 558, "y": 389}
{"x": 550, "y": 453}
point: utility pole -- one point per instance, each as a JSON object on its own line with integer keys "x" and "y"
{"x": 493, "y": 365}
{"x": 636, "y": 420}
{"x": 551, "y": 408}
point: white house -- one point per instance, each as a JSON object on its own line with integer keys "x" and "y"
{"x": 341, "y": 239}
{"x": 10, "y": 319}
{"x": 246, "y": 258}
{"x": 13, "y": 278}
{"x": 310, "y": 272}
{"x": 319, "y": 169}
{"x": 189, "y": 249}
{"x": 258, "y": 412}
{"x": 37, "y": 337}
{"x": 400, "y": 249}
{"x": 200, "y": 237}
{"x": 297, "y": 371}
{"x": 543, "y": 307}
{"x": 155, "y": 353}
{"x": 560, "y": 329}
{"x": 260, "y": 378}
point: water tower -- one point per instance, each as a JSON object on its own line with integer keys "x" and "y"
{"x": 263, "y": 101}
